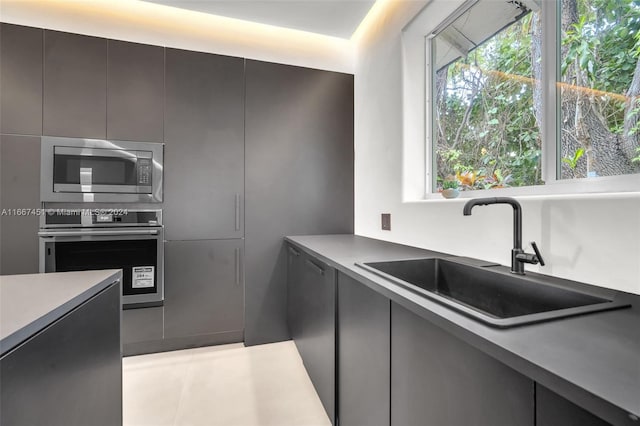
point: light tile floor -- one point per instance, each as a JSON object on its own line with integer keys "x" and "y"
{"x": 227, "y": 385}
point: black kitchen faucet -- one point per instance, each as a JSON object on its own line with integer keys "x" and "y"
{"x": 518, "y": 256}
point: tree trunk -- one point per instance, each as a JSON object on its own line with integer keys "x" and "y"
{"x": 582, "y": 125}
{"x": 631, "y": 142}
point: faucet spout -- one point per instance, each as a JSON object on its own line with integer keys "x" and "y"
{"x": 517, "y": 214}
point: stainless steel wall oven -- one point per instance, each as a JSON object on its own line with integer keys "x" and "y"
{"x": 86, "y": 239}
{"x": 95, "y": 170}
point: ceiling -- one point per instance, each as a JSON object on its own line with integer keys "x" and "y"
{"x": 337, "y": 18}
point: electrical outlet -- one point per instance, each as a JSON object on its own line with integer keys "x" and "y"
{"x": 386, "y": 221}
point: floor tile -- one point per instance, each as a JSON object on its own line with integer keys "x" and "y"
{"x": 227, "y": 385}
{"x": 152, "y": 387}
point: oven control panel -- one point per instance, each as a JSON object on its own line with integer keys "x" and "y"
{"x": 81, "y": 218}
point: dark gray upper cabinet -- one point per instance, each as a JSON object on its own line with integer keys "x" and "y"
{"x": 135, "y": 92}
{"x": 203, "y": 288}
{"x": 19, "y": 189}
{"x": 364, "y": 355}
{"x": 554, "y": 410}
{"x": 75, "y": 85}
{"x": 299, "y": 177}
{"x": 204, "y": 152}
{"x": 438, "y": 380}
{"x": 313, "y": 321}
{"x": 20, "y": 80}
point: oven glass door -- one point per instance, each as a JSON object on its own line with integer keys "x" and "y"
{"x": 136, "y": 258}
{"x": 94, "y": 170}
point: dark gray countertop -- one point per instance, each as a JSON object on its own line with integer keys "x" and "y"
{"x": 592, "y": 360}
{"x": 30, "y": 302}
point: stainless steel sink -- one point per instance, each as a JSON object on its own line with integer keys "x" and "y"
{"x": 495, "y": 297}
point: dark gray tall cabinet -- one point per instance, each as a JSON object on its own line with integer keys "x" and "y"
{"x": 21, "y": 59}
{"x": 204, "y": 152}
{"x": 204, "y": 199}
{"x": 299, "y": 178}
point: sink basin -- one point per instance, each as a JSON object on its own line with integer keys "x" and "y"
{"x": 494, "y": 297}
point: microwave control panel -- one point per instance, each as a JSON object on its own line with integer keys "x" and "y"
{"x": 144, "y": 171}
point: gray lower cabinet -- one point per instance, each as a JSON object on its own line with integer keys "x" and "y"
{"x": 438, "y": 380}
{"x": 69, "y": 374}
{"x": 20, "y": 80}
{"x": 364, "y": 355}
{"x": 204, "y": 151}
{"x": 554, "y": 410}
{"x": 204, "y": 290}
{"x": 19, "y": 192}
{"x": 295, "y": 308}
{"x": 299, "y": 177}
{"x": 313, "y": 305}
{"x": 135, "y": 92}
{"x": 75, "y": 85}
{"x": 142, "y": 325}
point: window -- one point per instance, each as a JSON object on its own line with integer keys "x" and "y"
{"x": 495, "y": 124}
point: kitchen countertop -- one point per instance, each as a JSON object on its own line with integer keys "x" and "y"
{"x": 592, "y": 360}
{"x": 31, "y": 302}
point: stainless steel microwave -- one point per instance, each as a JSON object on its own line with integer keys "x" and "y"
{"x": 96, "y": 170}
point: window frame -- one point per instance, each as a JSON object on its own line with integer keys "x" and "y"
{"x": 550, "y": 128}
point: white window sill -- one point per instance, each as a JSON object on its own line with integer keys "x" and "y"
{"x": 614, "y": 187}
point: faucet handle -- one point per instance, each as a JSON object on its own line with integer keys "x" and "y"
{"x": 538, "y": 255}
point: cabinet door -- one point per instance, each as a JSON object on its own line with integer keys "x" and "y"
{"x": 364, "y": 355}
{"x": 295, "y": 308}
{"x": 19, "y": 191}
{"x": 75, "y": 85}
{"x": 135, "y": 92}
{"x": 20, "y": 80}
{"x": 438, "y": 380}
{"x": 142, "y": 325}
{"x": 203, "y": 287}
{"x": 299, "y": 169}
{"x": 317, "y": 340}
{"x": 70, "y": 373}
{"x": 554, "y": 410}
{"x": 204, "y": 152}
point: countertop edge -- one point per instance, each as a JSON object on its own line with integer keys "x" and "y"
{"x": 556, "y": 383}
{"x": 18, "y": 337}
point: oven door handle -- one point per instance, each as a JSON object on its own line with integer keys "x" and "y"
{"x": 50, "y": 234}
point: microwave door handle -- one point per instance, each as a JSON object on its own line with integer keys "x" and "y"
{"x": 109, "y": 232}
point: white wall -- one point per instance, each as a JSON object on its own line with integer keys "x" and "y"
{"x": 142, "y": 22}
{"x": 589, "y": 238}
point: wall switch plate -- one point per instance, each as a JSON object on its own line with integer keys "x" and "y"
{"x": 386, "y": 221}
